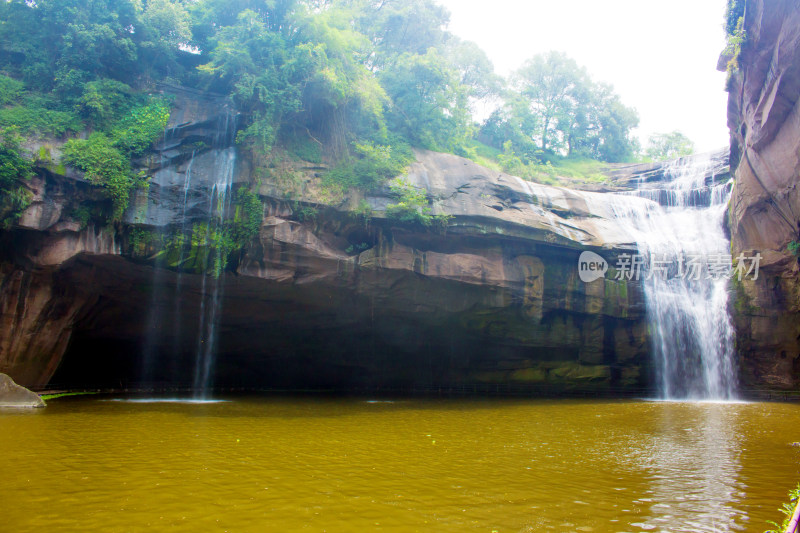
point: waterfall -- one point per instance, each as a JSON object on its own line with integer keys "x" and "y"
{"x": 177, "y": 298}
{"x": 155, "y": 319}
{"x": 211, "y": 297}
{"x": 684, "y": 255}
{"x": 195, "y": 242}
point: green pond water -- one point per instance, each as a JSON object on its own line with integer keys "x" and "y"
{"x": 266, "y": 464}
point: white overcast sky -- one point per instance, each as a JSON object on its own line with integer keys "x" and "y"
{"x": 659, "y": 55}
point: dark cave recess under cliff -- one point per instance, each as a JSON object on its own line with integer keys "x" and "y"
{"x": 140, "y": 331}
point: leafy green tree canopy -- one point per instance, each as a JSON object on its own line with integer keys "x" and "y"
{"x": 553, "y": 107}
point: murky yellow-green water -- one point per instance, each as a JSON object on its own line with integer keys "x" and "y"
{"x": 412, "y": 465}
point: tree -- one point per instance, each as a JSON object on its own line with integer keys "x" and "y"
{"x": 617, "y": 144}
{"x": 262, "y": 72}
{"x": 342, "y": 99}
{"x": 554, "y": 108}
{"x": 664, "y": 146}
{"x": 734, "y": 11}
{"x": 303, "y": 77}
{"x": 208, "y": 16}
{"x": 474, "y": 68}
{"x": 608, "y": 137}
{"x": 65, "y": 43}
{"x": 397, "y": 27}
{"x": 102, "y": 101}
{"x": 429, "y": 103}
{"x": 516, "y": 124}
{"x": 553, "y": 85}
{"x": 165, "y": 27}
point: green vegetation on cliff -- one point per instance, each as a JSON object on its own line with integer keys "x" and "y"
{"x": 350, "y": 83}
{"x": 104, "y": 165}
{"x": 204, "y": 247}
{"x": 369, "y": 166}
{"x": 14, "y": 198}
{"x": 34, "y": 113}
{"x": 106, "y": 158}
{"x": 412, "y": 204}
{"x": 734, "y": 33}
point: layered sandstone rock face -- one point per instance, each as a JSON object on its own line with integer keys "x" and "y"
{"x": 491, "y": 302}
{"x": 764, "y": 118}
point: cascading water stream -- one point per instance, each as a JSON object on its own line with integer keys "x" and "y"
{"x": 210, "y": 311}
{"x": 678, "y": 230}
{"x": 155, "y": 318}
{"x": 199, "y": 239}
{"x": 177, "y": 299}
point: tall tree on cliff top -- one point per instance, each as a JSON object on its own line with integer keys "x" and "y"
{"x": 64, "y": 44}
{"x": 475, "y": 70}
{"x": 554, "y": 105}
{"x": 555, "y": 87}
{"x": 429, "y": 101}
{"x": 429, "y": 85}
{"x": 607, "y": 134}
{"x": 343, "y": 100}
{"x": 165, "y": 27}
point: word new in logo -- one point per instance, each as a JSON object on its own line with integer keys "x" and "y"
{"x": 591, "y": 267}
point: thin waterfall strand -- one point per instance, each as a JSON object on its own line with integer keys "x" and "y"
{"x": 210, "y": 313}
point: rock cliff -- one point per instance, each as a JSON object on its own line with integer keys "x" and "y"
{"x": 764, "y": 119}
{"x": 331, "y": 300}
